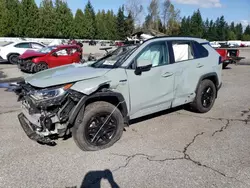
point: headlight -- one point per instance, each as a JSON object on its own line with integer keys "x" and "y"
{"x": 47, "y": 94}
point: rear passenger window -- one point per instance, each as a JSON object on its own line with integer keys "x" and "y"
{"x": 182, "y": 50}
{"x": 200, "y": 50}
{"x": 23, "y": 45}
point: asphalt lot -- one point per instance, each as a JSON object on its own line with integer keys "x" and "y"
{"x": 176, "y": 148}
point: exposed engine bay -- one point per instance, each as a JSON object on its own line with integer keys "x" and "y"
{"x": 45, "y": 112}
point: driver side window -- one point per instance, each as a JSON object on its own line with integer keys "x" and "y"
{"x": 157, "y": 53}
{"x": 62, "y": 52}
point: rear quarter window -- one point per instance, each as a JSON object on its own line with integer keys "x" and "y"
{"x": 200, "y": 50}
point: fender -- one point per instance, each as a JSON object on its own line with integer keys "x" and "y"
{"x": 214, "y": 77}
{"x": 98, "y": 96}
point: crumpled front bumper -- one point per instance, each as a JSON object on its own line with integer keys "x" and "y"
{"x": 26, "y": 65}
{"x": 29, "y": 129}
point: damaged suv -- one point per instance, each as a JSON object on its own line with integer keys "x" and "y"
{"x": 95, "y": 101}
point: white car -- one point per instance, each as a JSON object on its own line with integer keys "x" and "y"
{"x": 12, "y": 50}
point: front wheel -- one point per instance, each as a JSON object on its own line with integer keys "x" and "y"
{"x": 40, "y": 67}
{"x": 205, "y": 97}
{"x": 100, "y": 126}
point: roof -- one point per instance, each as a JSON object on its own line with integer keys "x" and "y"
{"x": 200, "y": 40}
{"x": 67, "y": 46}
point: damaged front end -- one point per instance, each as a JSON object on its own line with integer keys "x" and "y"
{"x": 45, "y": 112}
{"x": 26, "y": 65}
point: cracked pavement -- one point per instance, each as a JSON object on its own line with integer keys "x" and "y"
{"x": 171, "y": 149}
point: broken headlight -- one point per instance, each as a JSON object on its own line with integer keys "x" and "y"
{"x": 47, "y": 94}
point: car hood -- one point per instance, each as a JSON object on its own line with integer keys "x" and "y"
{"x": 64, "y": 74}
{"x": 31, "y": 53}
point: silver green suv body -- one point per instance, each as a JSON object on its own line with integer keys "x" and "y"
{"x": 94, "y": 101}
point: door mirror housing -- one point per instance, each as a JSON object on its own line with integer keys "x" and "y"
{"x": 143, "y": 66}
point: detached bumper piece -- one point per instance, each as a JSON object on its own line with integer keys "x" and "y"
{"x": 30, "y": 132}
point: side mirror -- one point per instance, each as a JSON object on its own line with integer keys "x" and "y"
{"x": 54, "y": 55}
{"x": 143, "y": 66}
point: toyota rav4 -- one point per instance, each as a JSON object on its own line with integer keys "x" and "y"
{"x": 94, "y": 101}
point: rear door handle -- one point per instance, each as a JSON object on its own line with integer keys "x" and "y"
{"x": 199, "y": 66}
{"x": 167, "y": 74}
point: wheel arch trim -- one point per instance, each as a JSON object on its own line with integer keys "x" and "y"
{"x": 98, "y": 96}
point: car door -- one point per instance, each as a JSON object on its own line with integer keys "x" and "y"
{"x": 75, "y": 55}
{"x": 191, "y": 66}
{"x": 152, "y": 91}
{"x": 59, "y": 57}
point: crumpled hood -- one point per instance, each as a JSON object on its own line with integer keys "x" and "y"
{"x": 64, "y": 74}
{"x": 31, "y": 53}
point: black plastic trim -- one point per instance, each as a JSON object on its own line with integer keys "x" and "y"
{"x": 81, "y": 104}
{"x": 212, "y": 74}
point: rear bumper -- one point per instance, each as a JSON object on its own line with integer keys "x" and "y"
{"x": 219, "y": 86}
{"x": 29, "y": 130}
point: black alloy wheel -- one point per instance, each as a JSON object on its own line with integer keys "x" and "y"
{"x": 207, "y": 97}
{"x": 101, "y": 129}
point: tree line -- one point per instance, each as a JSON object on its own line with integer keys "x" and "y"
{"x": 23, "y": 18}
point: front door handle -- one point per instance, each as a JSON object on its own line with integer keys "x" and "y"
{"x": 167, "y": 74}
{"x": 199, "y": 66}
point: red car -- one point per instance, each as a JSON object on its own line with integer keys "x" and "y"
{"x": 49, "y": 57}
{"x": 229, "y": 56}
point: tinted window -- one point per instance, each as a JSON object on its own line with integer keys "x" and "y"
{"x": 23, "y": 45}
{"x": 200, "y": 51}
{"x": 183, "y": 50}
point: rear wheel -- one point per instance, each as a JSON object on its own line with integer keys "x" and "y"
{"x": 13, "y": 59}
{"x": 224, "y": 65}
{"x": 205, "y": 97}
{"x": 100, "y": 127}
{"x": 40, "y": 67}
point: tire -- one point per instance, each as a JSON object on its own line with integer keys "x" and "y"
{"x": 80, "y": 130}
{"x": 198, "y": 104}
{"x": 13, "y": 59}
{"x": 40, "y": 67}
{"x": 224, "y": 65}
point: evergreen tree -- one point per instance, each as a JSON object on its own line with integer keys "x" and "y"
{"x": 111, "y": 25}
{"x": 101, "y": 25}
{"x": 90, "y": 24}
{"x": 64, "y": 20}
{"x": 79, "y": 24}
{"x": 47, "y": 21}
{"x": 121, "y": 24}
{"x": 28, "y": 19}
{"x": 12, "y": 7}
{"x": 3, "y": 19}
{"x": 239, "y": 31}
{"x": 197, "y": 27}
{"x": 247, "y": 30}
{"x": 129, "y": 25}
{"x": 222, "y": 28}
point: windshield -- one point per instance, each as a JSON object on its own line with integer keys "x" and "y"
{"x": 47, "y": 49}
{"x": 7, "y": 44}
{"x": 115, "y": 58}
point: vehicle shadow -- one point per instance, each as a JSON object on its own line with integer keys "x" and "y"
{"x": 157, "y": 114}
{"x": 93, "y": 179}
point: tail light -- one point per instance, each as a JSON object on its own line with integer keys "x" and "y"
{"x": 220, "y": 60}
